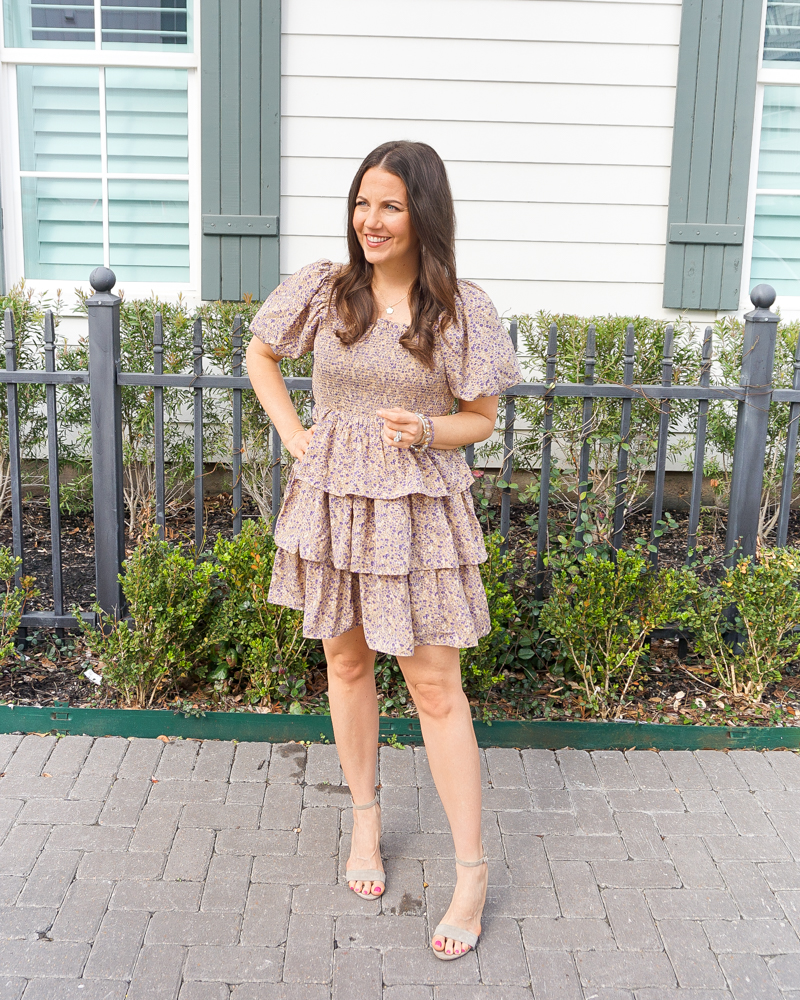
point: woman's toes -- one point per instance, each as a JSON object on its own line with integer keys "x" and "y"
{"x": 438, "y": 944}
{"x": 377, "y": 889}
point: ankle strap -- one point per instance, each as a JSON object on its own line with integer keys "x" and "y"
{"x": 473, "y": 864}
{"x": 369, "y": 805}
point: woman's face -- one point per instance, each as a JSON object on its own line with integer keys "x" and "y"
{"x": 382, "y": 222}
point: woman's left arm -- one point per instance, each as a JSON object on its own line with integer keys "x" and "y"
{"x": 474, "y": 422}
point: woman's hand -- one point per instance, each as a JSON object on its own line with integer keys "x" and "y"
{"x": 297, "y": 444}
{"x": 397, "y": 419}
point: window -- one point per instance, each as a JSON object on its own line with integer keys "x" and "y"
{"x": 782, "y": 35}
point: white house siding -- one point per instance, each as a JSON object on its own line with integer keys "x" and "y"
{"x": 554, "y": 118}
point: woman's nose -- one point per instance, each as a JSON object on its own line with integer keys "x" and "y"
{"x": 373, "y": 220}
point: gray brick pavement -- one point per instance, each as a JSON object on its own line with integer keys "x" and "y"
{"x": 208, "y": 871}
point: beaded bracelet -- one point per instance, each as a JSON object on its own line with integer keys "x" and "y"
{"x": 427, "y": 433}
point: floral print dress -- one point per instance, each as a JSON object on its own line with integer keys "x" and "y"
{"x": 369, "y": 534}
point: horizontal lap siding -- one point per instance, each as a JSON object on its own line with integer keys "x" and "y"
{"x": 554, "y": 118}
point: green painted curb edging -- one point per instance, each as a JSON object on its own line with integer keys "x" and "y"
{"x": 268, "y": 728}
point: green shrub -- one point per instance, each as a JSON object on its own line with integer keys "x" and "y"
{"x": 14, "y": 599}
{"x": 170, "y": 600}
{"x": 264, "y": 641}
{"x": 602, "y": 614}
{"x": 761, "y": 603}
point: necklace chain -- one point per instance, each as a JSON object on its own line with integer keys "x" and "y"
{"x": 390, "y": 308}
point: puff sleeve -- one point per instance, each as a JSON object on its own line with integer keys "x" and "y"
{"x": 289, "y": 317}
{"x": 478, "y": 354}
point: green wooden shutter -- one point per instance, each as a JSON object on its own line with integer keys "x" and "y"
{"x": 714, "y": 108}
{"x": 240, "y": 114}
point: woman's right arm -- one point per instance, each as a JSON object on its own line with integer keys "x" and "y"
{"x": 263, "y": 367}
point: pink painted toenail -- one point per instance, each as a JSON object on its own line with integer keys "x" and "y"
{"x": 437, "y": 943}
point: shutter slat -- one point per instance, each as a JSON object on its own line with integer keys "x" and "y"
{"x": 211, "y": 267}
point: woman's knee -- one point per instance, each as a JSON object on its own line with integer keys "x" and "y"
{"x": 349, "y": 668}
{"x": 436, "y": 700}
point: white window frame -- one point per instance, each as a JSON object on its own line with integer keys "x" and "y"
{"x": 789, "y": 305}
{"x": 10, "y": 173}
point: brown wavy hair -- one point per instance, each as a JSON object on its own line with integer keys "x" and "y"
{"x": 432, "y": 298}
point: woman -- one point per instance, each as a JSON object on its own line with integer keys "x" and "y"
{"x": 377, "y": 538}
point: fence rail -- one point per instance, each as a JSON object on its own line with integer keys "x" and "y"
{"x": 753, "y": 397}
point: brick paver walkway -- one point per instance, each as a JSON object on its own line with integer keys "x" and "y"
{"x": 207, "y": 871}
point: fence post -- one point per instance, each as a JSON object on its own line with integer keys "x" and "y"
{"x": 106, "y": 402}
{"x": 749, "y": 450}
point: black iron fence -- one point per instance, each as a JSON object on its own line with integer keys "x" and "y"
{"x": 105, "y": 378}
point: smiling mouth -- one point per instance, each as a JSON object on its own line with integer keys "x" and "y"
{"x": 375, "y": 241}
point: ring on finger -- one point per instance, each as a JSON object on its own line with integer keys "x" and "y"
{"x": 398, "y": 437}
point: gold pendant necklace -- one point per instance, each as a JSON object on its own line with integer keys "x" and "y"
{"x": 390, "y": 309}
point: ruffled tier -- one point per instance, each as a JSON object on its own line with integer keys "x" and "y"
{"x": 348, "y": 456}
{"x": 388, "y": 537}
{"x": 438, "y": 607}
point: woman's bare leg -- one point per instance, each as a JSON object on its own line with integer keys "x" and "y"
{"x": 433, "y": 675}
{"x": 354, "y": 713}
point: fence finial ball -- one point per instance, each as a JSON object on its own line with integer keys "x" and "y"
{"x": 763, "y": 296}
{"x": 102, "y": 279}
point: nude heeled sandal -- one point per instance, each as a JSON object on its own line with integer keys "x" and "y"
{"x": 366, "y": 874}
{"x": 457, "y": 933}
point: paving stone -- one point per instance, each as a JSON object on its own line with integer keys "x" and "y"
{"x": 141, "y": 760}
{"x": 309, "y": 948}
{"x": 91, "y": 786}
{"x": 786, "y": 765}
{"x": 325, "y": 794}
{"x": 156, "y": 828}
{"x": 255, "y": 842}
{"x": 630, "y": 920}
{"x": 537, "y": 823}
{"x": 624, "y": 968}
{"x": 785, "y": 971}
{"x": 383, "y": 932}
{"x": 747, "y": 849}
{"x": 417, "y": 845}
{"x": 73, "y": 989}
{"x": 404, "y": 889}
{"x": 282, "y": 804}
{"x": 781, "y": 876}
{"x": 505, "y": 768}
{"x": 219, "y": 816}
{"x": 21, "y": 922}
{"x": 576, "y": 888}
{"x": 397, "y": 767}
{"x": 667, "y": 993}
{"x": 327, "y": 900}
{"x": 720, "y": 770}
{"x": 613, "y": 994}
{"x": 541, "y": 769}
{"x": 636, "y": 874}
{"x": 50, "y": 959}
{"x": 749, "y": 888}
{"x": 685, "y": 769}
{"x": 59, "y": 811}
{"x": 30, "y": 756}
{"x": 592, "y": 812}
{"x": 116, "y": 865}
{"x": 89, "y": 838}
{"x": 613, "y": 770}
{"x": 527, "y": 861}
{"x": 467, "y": 993}
{"x": 746, "y": 812}
{"x": 577, "y": 769}
{"x": 50, "y": 878}
{"x": 665, "y": 800}
{"x": 293, "y": 870}
{"x": 188, "y": 790}
{"x": 282, "y": 991}
{"x": 10, "y": 888}
{"x": 106, "y": 755}
{"x": 641, "y": 837}
{"x": 554, "y": 977}
{"x": 691, "y": 904}
{"x": 441, "y": 872}
{"x": 157, "y": 975}
{"x": 552, "y": 800}
{"x": 21, "y": 849}
{"x": 790, "y": 902}
{"x": 422, "y": 767}
{"x": 266, "y": 915}
{"x": 322, "y": 764}
{"x": 789, "y": 831}
{"x": 125, "y": 801}
{"x": 31, "y": 786}
{"x": 561, "y": 848}
{"x": 649, "y": 769}
{"x": 181, "y": 927}
{"x": 177, "y": 760}
{"x": 749, "y": 978}
{"x": 319, "y": 833}
{"x": 693, "y": 862}
{"x": 566, "y": 934}
{"x": 251, "y": 762}
{"x": 245, "y": 793}
{"x": 356, "y": 974}
{"x": 68, "y": 755}
{"x": 237, "y": 964}
{"x": 156, "y": 896}
{"x": 777, "y": 800}
{"x": 416, "y": 993}
{"x": 416, "y": 966}
{"x": 207, "y": 991}
{"x": 512, "y": 902}
{"x": 764, "y": 937}
{"x": 755, "y": 769}
{"x": 501, "y": 957}
{"x": 287, "y": 763}
{"x": 190, "y": 854}
{"x": 227, "y": 883}
{"x": 8, "y": 744}
{"x": 695, "y": 824}
{"x": 116, "y": 947}
{"x": 693, "y": 961}
{"x": 697, "y": 800}
{"x": 82, "y": 911}
{"x": 214, "y": 761}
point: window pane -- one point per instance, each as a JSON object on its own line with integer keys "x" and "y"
{"x": 776, "y": 243}
{"x": 59, "y": 118}
{"x": 779, "y": 159}
{"x": 62, "y": 227}
{"x": 151, "y": 24}
{"x": 49, "y": 24}
{"x": 149, "y": 230}
{"x": 147, "y": 121}
{"x": 782, "y": 36}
